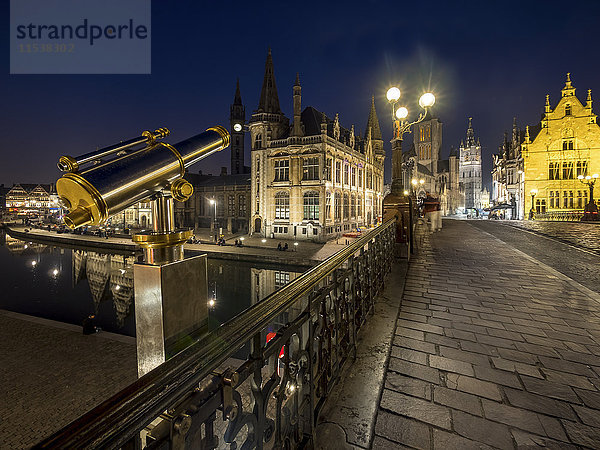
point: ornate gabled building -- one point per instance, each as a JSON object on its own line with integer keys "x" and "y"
{"x": 313, "y": 179}
{"x": 470, "y": 169}
{"x": 507, "y": 175}
{"x": 564, "y": 145}
{"x": 423, "y": 161}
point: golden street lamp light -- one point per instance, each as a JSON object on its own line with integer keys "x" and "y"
{"x": 533, "y": 193}
{"x": 402, "y": 125}
{"x": 590, "y": 211}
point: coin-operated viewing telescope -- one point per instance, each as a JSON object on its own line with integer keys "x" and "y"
{"x": 171, "y": 292}
{"x": 103, "y": 183}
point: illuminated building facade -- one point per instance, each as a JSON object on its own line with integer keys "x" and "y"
{"x": 507, "y": 175}
{"x": 136, "y": 216}
{"x": 313, "y": 179}
{"x": 470, "y": 169}
{"x": 26, "y": 199}
{"x": 423, "y": 161}
{"x": 564, "y": 145}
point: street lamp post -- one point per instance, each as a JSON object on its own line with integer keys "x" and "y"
{"x": 213, "y": 202}
{"x": 520, "y": 174}
{"x": 590, "y": 211}
{"x": 397, "y": 204}
{"x": 533, "y": 193}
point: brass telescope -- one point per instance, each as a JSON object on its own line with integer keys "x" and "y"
{"x": 103, "y": 183}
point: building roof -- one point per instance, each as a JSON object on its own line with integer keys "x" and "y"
{"x": 312, "y": 119}
{"x": 443, "y": 165}
{"x": 28, "y": 187}
{"x": 201, "y": 181}
{"x": 423, "y": 169}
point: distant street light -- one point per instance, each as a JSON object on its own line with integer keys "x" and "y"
{"x": 590, "y": 209}
{"x": 213, "y": 202}
{"x": 296, "y": 246}
{"x": 533, "y": 193}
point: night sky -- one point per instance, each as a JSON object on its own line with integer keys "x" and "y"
{"x": 486, "y": 62}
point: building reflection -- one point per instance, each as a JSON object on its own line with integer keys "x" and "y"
{"x": 110, "y": 278}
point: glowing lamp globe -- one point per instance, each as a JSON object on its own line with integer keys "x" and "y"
{"x": 587, "y": 178}
{"x": 427, "y": 100}
{"x": 580, "y": 177}
{"x": 595, "y": 175}
{"x": 402, "y": 113}
{"x": 393, "y": 94}
{"x": 237, "y": 127}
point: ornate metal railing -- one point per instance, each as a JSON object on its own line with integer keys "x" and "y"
{"x": 562, "y": 216}
{"x": 273, "y": 396}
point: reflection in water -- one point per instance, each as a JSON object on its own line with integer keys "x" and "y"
{"x": 110, "y": 277}
{"x": 69, "y": 284}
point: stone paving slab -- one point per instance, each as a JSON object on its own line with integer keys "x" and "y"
{"x": 492, "y": 349}
{"x": 50, "y": 374}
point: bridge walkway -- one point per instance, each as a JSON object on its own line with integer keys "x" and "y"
{"x": 492, "y": 348}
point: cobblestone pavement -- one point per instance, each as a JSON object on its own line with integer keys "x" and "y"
{"x": 583, "y": 267}
{"x": 491, "y": 349}
{"x": 50, "y": 375}
{"x": 586, "y": 235}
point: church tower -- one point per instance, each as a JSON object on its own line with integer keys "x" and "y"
{"x": 266, "y": 124}
{"x": 470, "y": 169}
{"x": 373, "y": 124}
{"x": 237, "y": 120}
{"x": 427, "y": 139}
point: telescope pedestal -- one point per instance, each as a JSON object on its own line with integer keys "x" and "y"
{"x": 171, "y": 308}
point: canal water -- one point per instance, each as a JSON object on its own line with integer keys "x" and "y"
{"x": 67, "y": 285}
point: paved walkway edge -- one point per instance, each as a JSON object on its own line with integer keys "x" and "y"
{"x": 348, "y": 417}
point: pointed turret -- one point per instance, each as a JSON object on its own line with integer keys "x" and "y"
{"x": 373, "y": 122}
{"x": 237, "y": 99}
{"x": 568, "y": 90}
{"x": 588, "y": 103}
{"x": 269, "y": 100}
{"x": 547, "y": 106}
{"x": 470, "y": 134}
{"x": 297, "y": 123}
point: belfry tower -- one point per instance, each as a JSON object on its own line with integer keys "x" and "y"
{"x": 237, "y": 119}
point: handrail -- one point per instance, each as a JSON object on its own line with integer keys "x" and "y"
{"x": 112, "y": 423}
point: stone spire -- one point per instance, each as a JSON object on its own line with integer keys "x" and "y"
{"x": 547, "y": 106}
{"x": 237, "y": 99}
{"x": 588, "y": 103}
{"x": 373, "y": 122}
{"x": 269, "y": 100}
{"x": 470, "y": 134}
{"x": 568, "y": 90}
{"x": 297, "y": 124}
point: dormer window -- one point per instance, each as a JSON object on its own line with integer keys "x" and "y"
{"x": 567, "y": 110}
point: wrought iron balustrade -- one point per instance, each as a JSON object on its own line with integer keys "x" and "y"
{"x": 272, "y": 398}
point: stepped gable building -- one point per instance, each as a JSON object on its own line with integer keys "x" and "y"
{"x": 564, "y": 145}
{"x": 470, "y": 169}
{"x": 423, "y": 161}
{"x": 312, "y": 179}
{"x": 507, "y": 175}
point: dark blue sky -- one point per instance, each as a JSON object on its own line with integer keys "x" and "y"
{"x": 487, "y": 62}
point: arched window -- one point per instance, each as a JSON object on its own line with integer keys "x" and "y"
{"x": 359, "y": 206}
{"x": 311, "y": 205}
{"x": 328, "y": 205}
{"x": 567, "y": 109}
{"x": 353, "y": 206}
{"x": 338, "y": 206}
{"x": 282, "y": 205}
{"x": 346, "y": 206}
{"x": 258, "y": 141}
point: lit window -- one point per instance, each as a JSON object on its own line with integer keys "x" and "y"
{"x": 282, "y": 206}
{"x": 282, "y": 170}
{"x": 311, "y": 205}
{"x": 310, "y": 169}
